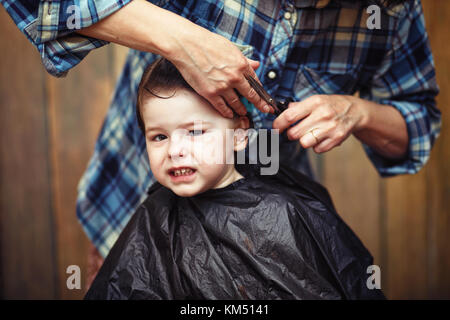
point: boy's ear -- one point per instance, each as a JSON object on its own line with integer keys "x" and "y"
{"x": 241, "y": 133}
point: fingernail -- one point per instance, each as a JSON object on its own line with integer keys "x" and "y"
{"x": 242, "y": 111}
{"x": 307, "y": 141}
{"x": 266, "y": 108}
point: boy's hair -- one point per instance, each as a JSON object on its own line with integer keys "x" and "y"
{"x": 160, "y": 75}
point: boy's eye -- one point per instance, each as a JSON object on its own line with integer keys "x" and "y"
{"x": 159, "y": 137}
{"x": 196, "y": 132}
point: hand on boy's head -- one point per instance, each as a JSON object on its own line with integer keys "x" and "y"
{"x": 221, "y": 79}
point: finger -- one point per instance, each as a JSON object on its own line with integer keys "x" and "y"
{"x": 232, "y": 99}
{"x": 300, "y": 129}
{"x": 219, "y": 104}
{"x": 312, "y": 138}
{"x": 251, "y": 71}
{"x": 252, "y": 96}
{"x": 296, "y": 111}
{"x": 324, "y": 146}
{"x": 254, "y": 63}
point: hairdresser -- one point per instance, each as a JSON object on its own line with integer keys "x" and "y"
{"x": 318, "y": 52}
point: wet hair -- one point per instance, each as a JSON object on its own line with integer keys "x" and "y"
{"x": 161, "y": 75}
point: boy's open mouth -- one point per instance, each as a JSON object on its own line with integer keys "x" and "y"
{"x": 182, "y": 171}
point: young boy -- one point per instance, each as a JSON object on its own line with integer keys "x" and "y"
{"x": 210, "y": 229}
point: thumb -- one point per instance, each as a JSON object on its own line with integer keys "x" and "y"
{"x": 253, "y": 63}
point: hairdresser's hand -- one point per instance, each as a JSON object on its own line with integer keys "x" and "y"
{"x": 210, "y": 63}
{"x": 215, "y": 68}
{"x": 326, "y": 121}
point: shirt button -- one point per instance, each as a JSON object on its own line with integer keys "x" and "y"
{"x": 287, "y": 15}
{"x": 271, "y": 74}
{"x": 290, "y": 8}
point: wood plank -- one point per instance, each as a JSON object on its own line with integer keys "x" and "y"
{"x": 354, "y": 186}
{"x": 26, "y": 236}
{"x": 437, "y": 15}
{"x": 406, "y": 204}
{"x": 77, "y": 107}
{"x": 418, "y": 224}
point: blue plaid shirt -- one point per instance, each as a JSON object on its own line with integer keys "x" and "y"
{"x": 314, "y": 47}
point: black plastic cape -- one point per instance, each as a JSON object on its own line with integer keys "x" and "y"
{"x": 262, "y": 237}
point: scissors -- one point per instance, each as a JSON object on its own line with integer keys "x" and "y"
{"x": 278, "y": 106}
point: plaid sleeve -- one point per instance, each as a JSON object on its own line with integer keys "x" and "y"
{"x": 50, "y": 26}
{"x": 406, "y": 80}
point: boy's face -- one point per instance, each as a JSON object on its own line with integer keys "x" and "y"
{"x": 187, "y": 143}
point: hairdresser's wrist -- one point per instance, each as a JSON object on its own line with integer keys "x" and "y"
{"x": 178, "y": 34}
{"x": 170, "y": 32}
{"x": 383, "y": 128}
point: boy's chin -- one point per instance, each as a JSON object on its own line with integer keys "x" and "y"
{"x": 186, "y": 191}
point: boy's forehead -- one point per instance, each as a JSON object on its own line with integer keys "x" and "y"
{"x": 183, "y": 107}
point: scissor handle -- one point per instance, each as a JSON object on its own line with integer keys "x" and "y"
{"x": 283, "y": 105}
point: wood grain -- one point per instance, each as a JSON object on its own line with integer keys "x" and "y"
{"x": 406, "y": 204}
{"x": 27, "y": 232}
{"x": 77, "y": 106}
{"x": 48, "y": 128}
{"x": 437, "y": 15}
{"x": 354, "y": 186}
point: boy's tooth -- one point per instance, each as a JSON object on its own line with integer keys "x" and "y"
{"x": 183, "y": 171}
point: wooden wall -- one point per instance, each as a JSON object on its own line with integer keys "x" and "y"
{"x": 48, "y": 128}
{"x": 404, "y": 221}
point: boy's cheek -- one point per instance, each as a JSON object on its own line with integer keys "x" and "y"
{"x": 156, "y": 163}
{"x": 212, "y": 148}
{"x": 208, "y": 153}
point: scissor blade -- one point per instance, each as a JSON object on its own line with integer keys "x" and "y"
{"x": 262, "y": 92}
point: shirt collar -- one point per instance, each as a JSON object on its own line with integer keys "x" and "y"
{"x": 311, "y": 3}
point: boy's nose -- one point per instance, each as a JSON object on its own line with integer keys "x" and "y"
{"x": 177, "y": 154}
{"x": 177, "y": 149}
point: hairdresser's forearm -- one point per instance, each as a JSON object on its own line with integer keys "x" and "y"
{"x": 383, "y": 128}
{"x": 210, "y": 63}
{"x": 140, "y": 25}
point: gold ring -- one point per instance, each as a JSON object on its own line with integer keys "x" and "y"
{"x": 312, "y": 132}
